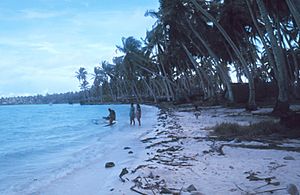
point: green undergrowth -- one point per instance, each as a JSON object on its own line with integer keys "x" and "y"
{"x": 265, "y": 129}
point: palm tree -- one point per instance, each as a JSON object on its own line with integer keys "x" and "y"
{"x": 81, "y": 76}
{"x": 282, "y": 105}
{"x": 99, "y": 78}
{"x": 130, "y": 47}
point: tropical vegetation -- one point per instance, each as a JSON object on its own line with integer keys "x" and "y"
{"x": 200, "y": 48}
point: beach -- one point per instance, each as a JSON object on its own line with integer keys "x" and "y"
{"x": 175, "y": 157}
{"x": 122, "y": 146}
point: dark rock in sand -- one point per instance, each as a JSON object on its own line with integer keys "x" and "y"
{"x": 191, "y": 188}
{"x": 109, "y": 164}
{"x": 288, "y": 158}
{"x": 130, "y": 152}
{"x": 292, "y": 189}
{"x": 127, "y": 148}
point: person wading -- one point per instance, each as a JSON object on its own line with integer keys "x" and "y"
{"x": 112, "y": 116}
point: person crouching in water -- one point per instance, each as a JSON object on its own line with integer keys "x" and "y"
{"x": 112, "y": 116}
{"x": 138, "y": 113}
{"x": 132, "y": 115}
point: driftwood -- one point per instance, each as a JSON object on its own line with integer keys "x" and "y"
{"x": 123, "y": 172}
{"x": 214, "y": 148}
{"x": 265, "y": 147}
{"x": 135, "y": 190}
{"x": 149, "y": 184}
{"x": 219, "y": 148}
{"x": 163, "y": 142}
{"x": 138, "y": 167}
{"x": 271, "y": 191}
{"x": 169, "y": 149}
{"x": 148, "y": 139}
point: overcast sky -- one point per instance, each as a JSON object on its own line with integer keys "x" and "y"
{"x": 44, "y": 42}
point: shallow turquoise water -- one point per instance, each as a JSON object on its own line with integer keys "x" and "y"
{"x": 40, "y": 143}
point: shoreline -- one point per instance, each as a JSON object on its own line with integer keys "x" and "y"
{"x": 123, "y": 147}
{"x": 175, "y": 156}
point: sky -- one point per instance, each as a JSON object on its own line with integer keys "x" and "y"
{"x": 44, "y": 42}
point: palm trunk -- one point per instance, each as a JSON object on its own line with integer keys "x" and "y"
{"x": 111, "y": 92}
{"x": 150, "y": 89}
{"x": 295, "y": 77}
{"x": 170, "y": 89}
{"x": 282, "y": 105}
{"x": 292, "y": 4}
{"x": 135, "y": 89}
{"x": 194, "y": 63}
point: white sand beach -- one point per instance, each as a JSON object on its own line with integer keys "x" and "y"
{"x": 175, "y": 157}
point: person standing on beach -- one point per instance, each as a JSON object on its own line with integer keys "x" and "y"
{"x": 132, "y": 114}
{"x": 138, "y": 113}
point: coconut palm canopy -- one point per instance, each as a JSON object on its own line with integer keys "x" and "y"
{"x": 198, "y": 49}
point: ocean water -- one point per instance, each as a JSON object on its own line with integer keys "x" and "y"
{"x": 41, "y": 143}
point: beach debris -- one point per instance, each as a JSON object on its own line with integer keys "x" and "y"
{"x": 275, "y": 165}
{"x": 130, "y": 152}
{"x": 127, "y": 148}
{"x": 165, "y": 190}
{"x": 163, "y": 142}
{"x": 288, "y": 158}
{"x": 268, "y": 183}
{"x": 191, "y": 188}
{"x": 151, "y": 176}
{"x": 123, "y": 172}
{"x": 170, "y": 149}
{"x": 237, "y": 140}
{"x": 270, "y": 191}
{"x": 253, "y": 177}
{"x": 148, "y": 139}
{"x": 215, "y": 148}
{"x": 109, "y": 164}
{"x": 196, "y": 193}
{"x": 138, "y": 167}
{"x": 168, "y": 152}
{"x": 292, "y": 189}
{"x": 197, "y": 114}
{"x": 137, "y": 184}
{"x": 135, "y": 190}
{"x": 150, "y": 186}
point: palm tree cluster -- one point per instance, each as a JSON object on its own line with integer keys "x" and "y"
{"x": 198, "y": 47}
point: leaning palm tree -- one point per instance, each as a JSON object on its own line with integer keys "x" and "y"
{"x": 282, "y": 105}
{"x": 130, "y": 48}
{"x": 251, "y": 100}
